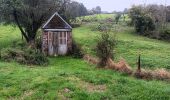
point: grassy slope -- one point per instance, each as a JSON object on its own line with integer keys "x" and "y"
{"x": 155, "y": 53}
{"x": 104, "y": 16}
{"x": 8, "y": 34}
{"x": 82, "y": 80}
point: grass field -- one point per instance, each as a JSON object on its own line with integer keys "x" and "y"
{"x": 104, "y": 16}
{"x": 67, "y": 78}
{"x": 154, "y": 53}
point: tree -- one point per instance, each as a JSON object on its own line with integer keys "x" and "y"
{"x": 168, "y": 14}
{"x": 117, "y": 17}
{"x": 75, "y": 9}
{"x": 28, "y": 15}
{"x": 97, "y": 10}
{"x": 124, "y": 14}
{"x": 142, "y": 21}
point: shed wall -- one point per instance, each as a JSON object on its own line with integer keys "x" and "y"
{"x": 47, "y": 38}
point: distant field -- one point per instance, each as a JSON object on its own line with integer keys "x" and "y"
{"x": 74, "y": 79}
{"x": 101, "y": 16}
{"x": 104, "y": 16}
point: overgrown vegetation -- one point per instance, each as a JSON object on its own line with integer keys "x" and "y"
{"x": 24, "y": 56}
{"x": 105, "y": 48}
{"x": 151, "y": 21}
{"x": 77, "y": 51}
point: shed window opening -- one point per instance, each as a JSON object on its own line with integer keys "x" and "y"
{"x": 63, "y": 38}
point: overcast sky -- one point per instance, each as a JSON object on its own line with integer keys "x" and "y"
{"x": 119, "y": 5}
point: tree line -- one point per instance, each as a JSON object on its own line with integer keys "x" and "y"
{"x": 151, "y": 20}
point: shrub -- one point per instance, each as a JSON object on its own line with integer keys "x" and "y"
{"x": 76, "y": 51}
{"x": 105, "y": 48}
{"x": 143, "y": 24}
{"x": 122, "y": 66}
{"x": 165, "y": 34}
{"x": 26, "y": 56}
{"x": 35, "y": 57}
{"x": 9, "y": 54}
{"x": 117, "y": 17}
{"x": 38, "y": 43}
{"x": 142, "y": 21}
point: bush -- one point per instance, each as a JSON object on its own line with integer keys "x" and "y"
{"x": 117, "y": 17}
{"x": 165, "y": 34}
{"x": 143, "y": 24}
{"x": 105, "y": 48}
{"x": 10, "y": 54}
{"x": 26, "y": 56}
{"x": 76, "y": 51}
{"x": 38, "y": 43}
{"x": 34, "y": 57}
{"x": 142, "y": 21}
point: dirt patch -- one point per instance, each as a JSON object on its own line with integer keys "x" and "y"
{"x": 27, "y": 94}
{"x": 93, "y": 88}
{"x": 90, "y": 87}
{"x": 62, "y": 92}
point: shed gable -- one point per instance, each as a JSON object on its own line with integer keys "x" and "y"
{"x": 56, "y": 22}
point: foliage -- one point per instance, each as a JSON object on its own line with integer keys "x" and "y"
{"x": 165, "y": 34}
{"x": 142, "y": 21}
{"x": 34, "y": 57}
{"x": 75, "y": 9}
{"x": 9, "y": 54}
{"x": 105, "y": 46}
{"x": 96, "y": 10}
{"x": 77, "y": 51}
{"x": 117, "y": 17}
{"x": 151, "y": 20}
{"x": 24, "y": 56}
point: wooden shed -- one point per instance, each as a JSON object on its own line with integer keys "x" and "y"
{"x": 56, "y": 36}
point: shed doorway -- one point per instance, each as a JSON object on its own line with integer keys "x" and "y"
{"x": 62, "y": 47}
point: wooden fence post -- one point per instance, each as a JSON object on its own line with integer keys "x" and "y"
{"x": 139, "y": 63}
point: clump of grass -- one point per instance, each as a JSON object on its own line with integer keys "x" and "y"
{"x": 121, "y": 66}
{"x": 143, "y": 74}
{"x": 24, "y": 56}
{"x": 91, "y": 59}
{"x": 158, "y": 74}
{"x": 161, "y": 74}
